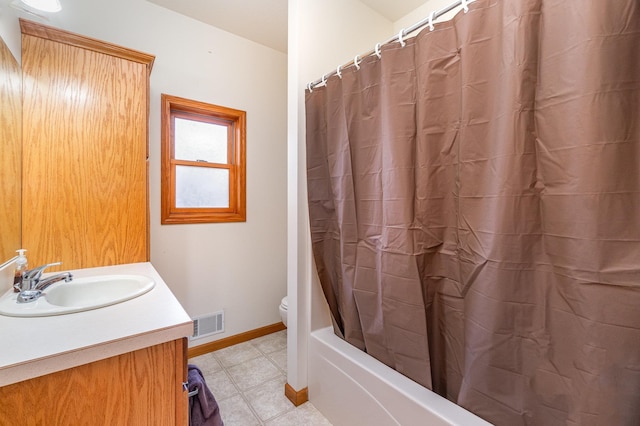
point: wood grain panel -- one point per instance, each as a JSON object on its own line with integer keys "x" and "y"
{"x": 84, "y": 155}
{"x": 137, "y": 388}
{"x": 182, "y": 398}
{"x": 10, "y": 140}
{"x": 297, "y": 398}
{"x": 50, "y": 33}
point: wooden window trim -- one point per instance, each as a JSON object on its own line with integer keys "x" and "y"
{"x": 236, "y": 120}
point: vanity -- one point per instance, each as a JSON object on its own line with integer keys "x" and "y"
{"x": 84, "y": 103}
{"x": 120, "y": 364}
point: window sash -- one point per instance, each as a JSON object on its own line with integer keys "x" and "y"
{"x": 235, "y": 121}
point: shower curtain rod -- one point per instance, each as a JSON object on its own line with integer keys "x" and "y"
{"x": 398, "y": 37}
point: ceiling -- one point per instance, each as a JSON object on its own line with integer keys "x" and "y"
{"x": 265, "y": 21}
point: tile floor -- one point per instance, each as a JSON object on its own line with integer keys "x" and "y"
{"x": 248, "y": 381}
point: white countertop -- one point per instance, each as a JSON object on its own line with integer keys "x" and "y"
{"x": 32, "y": 347}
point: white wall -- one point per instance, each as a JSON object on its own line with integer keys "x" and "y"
{"x": 239, "y": 267}
{"x": 422, "y": 12}
{"x": 10, "y": 28}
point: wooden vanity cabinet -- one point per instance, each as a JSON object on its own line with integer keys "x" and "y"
{"x": 85, "y": 203}
{"x": 138, "y": 388}
{"x": 85, "y": 150}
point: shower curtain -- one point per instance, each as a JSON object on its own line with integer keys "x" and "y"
{"x": 474, "y": 201}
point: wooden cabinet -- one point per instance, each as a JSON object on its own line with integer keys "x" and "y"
{"x": 137, "y": 388}
{"x": 85, "y": 150}
{"x": 10, "y": 142}
{"x": 85, "y": 203}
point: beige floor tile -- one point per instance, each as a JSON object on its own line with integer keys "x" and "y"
{"x": 248, "y": 381}
{"x": 280, "y": 359}
{"x": 237, "y": 354}
{"x": 236, "y": 412}
{"x": 253, "y": 372}
{"x": 221, "y": 385}
{"x": 272, "y": 342}
{"x": 207, "y": 363}
{"x": 304, "y": 415}
{"x": 268, "y": 399}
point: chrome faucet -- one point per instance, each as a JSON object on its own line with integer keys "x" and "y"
{"x": 33, "y": 284}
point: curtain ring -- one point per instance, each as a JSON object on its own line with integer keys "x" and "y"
{"x": 431, "y": 15}
{"x": 310, "y": 87}
{"x": 338, "y": 73}
{"x": 324, "y": 80}
{"x": 378, "y": 51}
{"x": 465, "y": 5}
{"x": 356, "y": 62}
{"x": 400, "y": 36}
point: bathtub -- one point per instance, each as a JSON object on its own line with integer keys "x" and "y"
{"x": 351, "y": 388}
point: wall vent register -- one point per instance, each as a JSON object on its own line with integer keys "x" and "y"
{"x": 208, "y": 325}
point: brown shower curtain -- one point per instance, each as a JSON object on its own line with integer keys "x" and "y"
{"x": 474, "y": 201}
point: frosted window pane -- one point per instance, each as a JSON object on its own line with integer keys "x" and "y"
{"x": 195, "y": 140}
{"x": 202, "y": 187}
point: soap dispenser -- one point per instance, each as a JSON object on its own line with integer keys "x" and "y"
{"x": 21, "y": 266}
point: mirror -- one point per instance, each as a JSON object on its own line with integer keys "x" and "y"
{"x": 11, "y": 148}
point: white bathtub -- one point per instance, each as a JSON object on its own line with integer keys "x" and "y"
{"x": 350, "y": 388}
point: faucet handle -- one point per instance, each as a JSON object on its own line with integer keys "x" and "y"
{"x": 36, "y": 273}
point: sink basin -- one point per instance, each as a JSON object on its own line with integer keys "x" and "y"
{"x": 81, "y": 294}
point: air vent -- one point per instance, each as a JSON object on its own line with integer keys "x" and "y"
{"x": 207, "y": 325}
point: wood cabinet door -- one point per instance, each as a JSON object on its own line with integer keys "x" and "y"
{"x": 140, "y": 388}
{"x": 84, "y": 156}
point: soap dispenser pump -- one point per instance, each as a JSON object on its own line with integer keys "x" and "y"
{"x": 21, "y": 266}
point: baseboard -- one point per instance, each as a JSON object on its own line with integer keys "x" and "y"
{"x": 296, "y": 397}
{"x": 234, "y": 340}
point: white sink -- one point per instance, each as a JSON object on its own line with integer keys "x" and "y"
{"x": 81, "y": 294}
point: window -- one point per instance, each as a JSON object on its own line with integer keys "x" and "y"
{"x": 203, "y": 162}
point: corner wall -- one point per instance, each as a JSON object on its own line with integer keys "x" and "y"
{"x": 10, "y": 29}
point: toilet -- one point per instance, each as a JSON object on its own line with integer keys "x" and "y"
{"x": 283, "y": 310}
